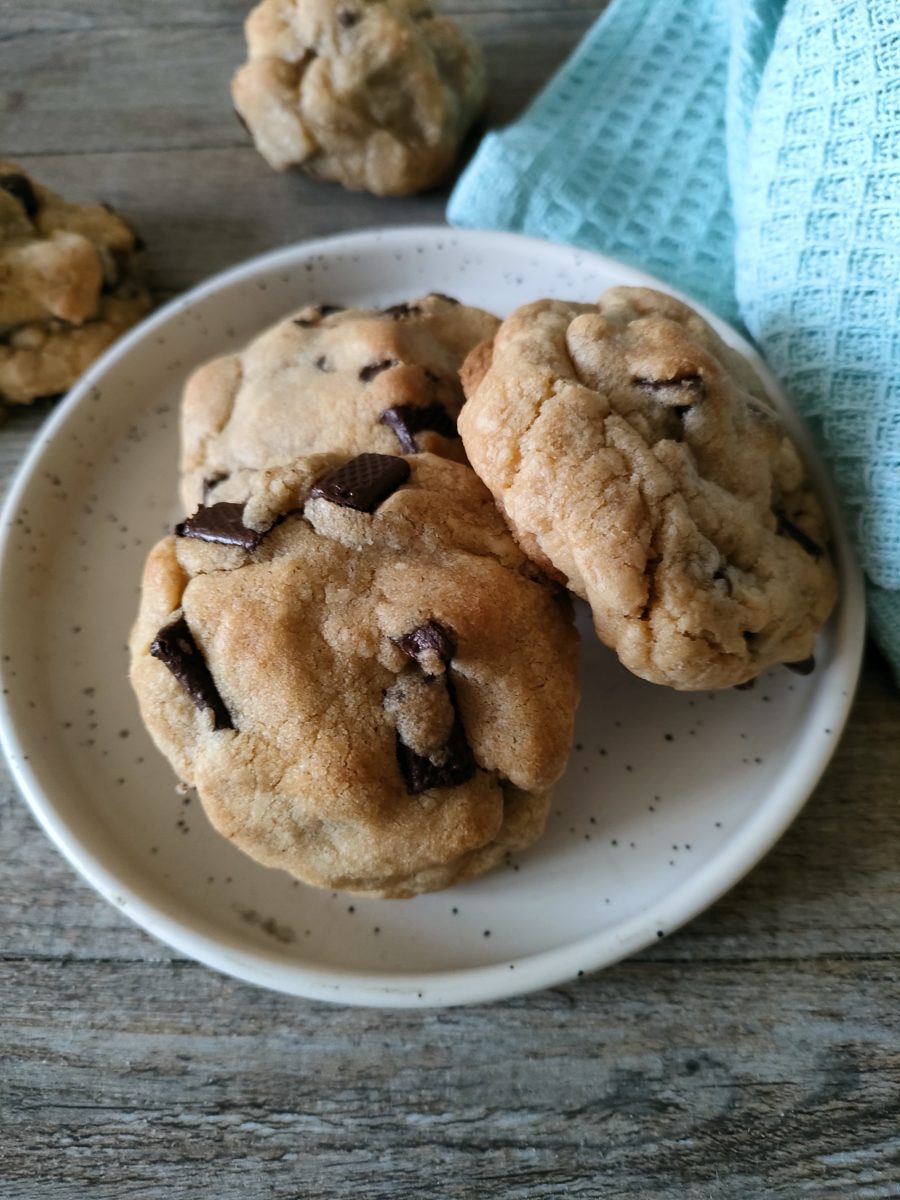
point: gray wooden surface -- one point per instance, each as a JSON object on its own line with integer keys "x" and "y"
{"x": 754, "y": 1054}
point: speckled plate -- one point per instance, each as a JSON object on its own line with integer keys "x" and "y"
{"x": 668, "y": 799}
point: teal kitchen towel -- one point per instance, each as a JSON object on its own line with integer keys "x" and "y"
{"x": 748, "y": 152}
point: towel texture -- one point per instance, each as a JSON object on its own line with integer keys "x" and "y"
{"x": 748, "y": 152}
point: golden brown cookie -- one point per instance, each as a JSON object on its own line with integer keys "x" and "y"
{"x": 377, "y": 96}
{"x": 68, "y": 286}
{"x": 331, "y": 379}
{"x": 635, "y": 457}
{"x": 368, "y": 683}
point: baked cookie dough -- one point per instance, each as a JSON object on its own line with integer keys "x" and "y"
{"x": 331, "y": 379}
{"x": 375, "y": 95}
{"x": 636, "y": 457}
{"x": 68, "y": 286}
{"x": 368, "y": 683}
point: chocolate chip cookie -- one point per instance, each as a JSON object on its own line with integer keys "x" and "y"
{"x": 367, "y": 681}
{"x": 68, "y": 286}
{"x": 637, "y": 458}
{"x": 377, "y": 96}
{"x": 331, "y": 379}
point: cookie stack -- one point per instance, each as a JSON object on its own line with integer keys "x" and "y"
{"x": 365, "y": 669}
{"x": 343, "y": 648}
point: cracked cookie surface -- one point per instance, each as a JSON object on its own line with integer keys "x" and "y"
{"x": 331, "y": 379}
{"x": 636, "y": 457}
{"x": 376, "y": 96}
{"x": 68, "y": 286}
{"x": 366, "y": 680}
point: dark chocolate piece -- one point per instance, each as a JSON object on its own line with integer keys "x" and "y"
{"x": 348, "y": 19}
{"x": 363, "y": 482}
{"x": 20, "y": 187}
{"x": 787, "y": 528}
{"x": 367, "y": 374}
{"x": 222, "y": 523}
{"x": 176, "y": 649}
{"x": 430, "y": 638}
{"x": 421, "y": 774}
{"x": 398, "y": 311}
{"x": 805, "y": 666}
{"x": 684, "y": 392}
{"x": 406, "y": 420}
{"x": 321, "y": 310}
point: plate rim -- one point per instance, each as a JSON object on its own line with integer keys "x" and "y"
{"x": 517, "y": 976}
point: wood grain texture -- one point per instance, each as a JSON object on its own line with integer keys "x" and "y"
{"x": 755, "y": 1054}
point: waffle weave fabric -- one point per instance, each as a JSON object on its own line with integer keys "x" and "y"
{"x": 747, "y": 152}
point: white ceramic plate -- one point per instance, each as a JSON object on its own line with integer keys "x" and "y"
{"x": 668, "y": 799}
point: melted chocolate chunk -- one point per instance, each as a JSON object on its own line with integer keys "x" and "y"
{"x": 20, "y": 187}
{"x": 421, "y": 774}
{"x": 805, "y": 666}
{"x": 367, "y": 374}
{"x": 787, "y": 528}
{"x": 363, "y": 482}
{"x": 675, "y": 393}
{"x": 348, "y": 19}
{"x": 398, "y": 311}
{"x": 222, "y": 523}
{"x": 406, "y": 420}
{"x": 427, "y": 639}
{"x": 321, "y": 310}
{"x": 175, "y": 647}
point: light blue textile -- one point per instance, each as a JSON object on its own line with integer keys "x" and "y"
{"x": 748, "y": 152}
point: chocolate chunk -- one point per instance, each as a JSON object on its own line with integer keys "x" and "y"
{"x": 425, "y": 640}
{"x": 398, "y": 311}
{"x": 406, "y": 420}
{"x": 348, "y": 19}
{"x": 367, "y": 374}
{"x": 363, "y": 482}
{"x": 321, "y": 310}
{"x": 805, "y": 666}
{"x": 222, "y": 523}
{"x": 175, "y": 647}
{"x": 20, "y": 187}
{"x": 683, "y": 392}
{"x": 787, "y": 528}
{"x": 458, "y": 765}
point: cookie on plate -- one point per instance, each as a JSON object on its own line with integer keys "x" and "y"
{"x": 376, "y": 96}
{"x": 636, "y": 457}
{"x": 68, "y": 286}
{"x": 331, "y": 379}
{"x": 368, "y": 683}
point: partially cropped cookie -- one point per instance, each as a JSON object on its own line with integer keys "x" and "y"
{"x": 375, "y": 94}
{"x": 636, "y": 457}
{"x": 68, "y": 286}
{"x": 366, "y": 680}
{"x": 331, "y": 379}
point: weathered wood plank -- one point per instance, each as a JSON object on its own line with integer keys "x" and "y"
{"x": 165, "y": 87}
{"x": 92, "y": 15}
{"x": 638, "y": 1083}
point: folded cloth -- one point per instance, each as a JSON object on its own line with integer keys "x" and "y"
{"x": 748, "y": 152}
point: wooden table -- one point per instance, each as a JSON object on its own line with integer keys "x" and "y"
{"x": 754, "y": 1054}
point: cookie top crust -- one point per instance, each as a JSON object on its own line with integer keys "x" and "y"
{"x": 637, "y": 458}
{"x": 331, "y": 379}
{"x": 366, "y": 680}
{"x": 376, "y": 96}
